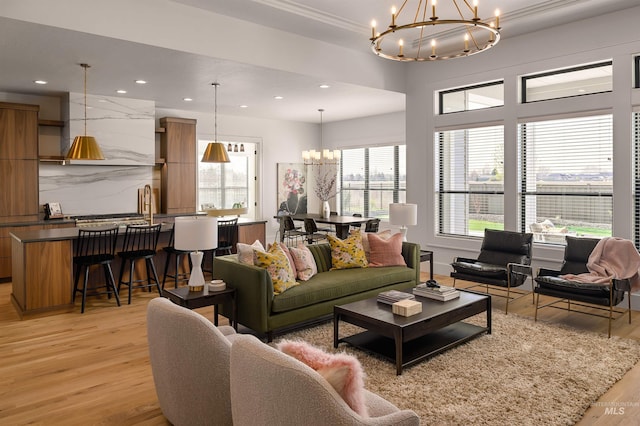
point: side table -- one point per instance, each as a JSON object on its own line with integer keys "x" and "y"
{"x": 427, "y": 255}
{"x": 198, "y": 299}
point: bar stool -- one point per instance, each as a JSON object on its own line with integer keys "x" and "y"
{"x": 178, "y": 256}
{"x": 95, "y": 247}
{"x": 227, "y": 235}
{"x": 140, "y": 242}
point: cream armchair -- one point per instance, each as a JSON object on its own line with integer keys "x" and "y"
{"x": 269, "y": 387}
{"x": 190, "y": 364}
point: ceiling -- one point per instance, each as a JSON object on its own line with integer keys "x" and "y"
{"x": 31, "y": 51}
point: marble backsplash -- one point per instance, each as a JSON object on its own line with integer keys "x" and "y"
{"x": 85, "y": 190}
{"x": 123, "y": 127}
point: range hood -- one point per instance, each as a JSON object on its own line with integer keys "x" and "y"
{"x": 123, "y": 127}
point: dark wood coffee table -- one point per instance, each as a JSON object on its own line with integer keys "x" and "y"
{"x": 408, "y": 340}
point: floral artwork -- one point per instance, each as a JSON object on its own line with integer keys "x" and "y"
{"x": 325, "y": 187}
{"x": 292, "y": 189}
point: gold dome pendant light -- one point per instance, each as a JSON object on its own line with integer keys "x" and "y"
{"x": 84, "y": 147}
{"x": 215, "y": 152}
{"x": 423, "y": 36}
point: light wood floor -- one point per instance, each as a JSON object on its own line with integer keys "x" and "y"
{"x": 93, "y": 368}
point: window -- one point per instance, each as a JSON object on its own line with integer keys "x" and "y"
{"x": 371, "y": 179}
{"x": 576, "y": 81}
{"x": 567, "y": 177}
{"x": 471, "y": 97}
{"x": 636, "y": 188}
{"x": 222, "y": 185}
{"x": 470, "y": 180}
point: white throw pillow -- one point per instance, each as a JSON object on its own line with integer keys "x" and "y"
{"x": 245, "y": 251}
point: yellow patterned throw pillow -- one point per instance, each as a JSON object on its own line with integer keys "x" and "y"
{"x": 347, "y": 253}
{"x": 277, "y": 265}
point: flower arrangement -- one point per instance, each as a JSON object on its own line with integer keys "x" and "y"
{"x": 325, "y": 187}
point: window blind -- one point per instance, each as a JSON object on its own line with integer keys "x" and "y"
{"x": 470, "y": 180}
{"x": 566, "y": 177}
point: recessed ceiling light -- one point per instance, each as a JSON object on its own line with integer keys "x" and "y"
{"x": 39, "y": 82}
{"x": 278, "y": 97}
{"x": 121, "y": 91}
{"x": 244, "y": 106}
{"x": 324, "y": 86}
{"x": 187, "y": 99}
{"x": 141, "y": 81}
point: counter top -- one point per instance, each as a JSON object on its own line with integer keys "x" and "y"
{"x": 59, "y": 234}
{"x": 158, "y": 218}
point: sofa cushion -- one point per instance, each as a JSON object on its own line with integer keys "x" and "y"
{"x": 343, "y": 372}
{"x": 480, "y": 268}
{"x": 336, "y": 284}
{"x": 386, "y": 252}
{"x": 385, "y": 235}
{"x": 287, "y": 253}
{"x": 561, "y": 284}
{"x": 277, "y": 265}
{"x": 502, "y": 247}
{"x": 347, "y": 253}
{"x": 245, "y": 251}
{"x": 304, "y": 261}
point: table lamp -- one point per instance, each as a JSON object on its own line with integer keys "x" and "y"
{"x": 196, "y": 233}
{"x": 403, "y": 214}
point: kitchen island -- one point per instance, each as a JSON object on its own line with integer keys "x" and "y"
{"x": 42, "y": 265}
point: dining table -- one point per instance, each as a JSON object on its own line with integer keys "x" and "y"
{"x": 341, "y": 223}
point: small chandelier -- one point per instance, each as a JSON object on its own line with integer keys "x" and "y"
{"x": 463, "y": 35}
{"x": 324, "y": 157}
{"x": 215, "y": 152}
{"x": 84, "y": 147}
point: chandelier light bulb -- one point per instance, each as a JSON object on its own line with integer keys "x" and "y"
{"x": 420, "y": 25}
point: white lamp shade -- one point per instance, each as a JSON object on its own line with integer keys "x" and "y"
{"x": 195, "y": 233}
{"x": 403, "y": 214}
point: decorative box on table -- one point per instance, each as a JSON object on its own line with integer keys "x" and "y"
{"x": 406, "y": 307}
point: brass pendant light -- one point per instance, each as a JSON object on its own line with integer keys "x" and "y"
{"x": 84, "y": 147}
{"x": 215, "y": 152}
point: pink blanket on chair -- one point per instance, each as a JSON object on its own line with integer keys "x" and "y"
{"x": 612, "y": 257}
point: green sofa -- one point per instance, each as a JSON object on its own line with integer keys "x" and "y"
{"x": 262, "y": 311}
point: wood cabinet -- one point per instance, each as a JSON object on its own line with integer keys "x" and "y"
{"x": 5, "y": 243}
{"x": 18, "y": 162}
{"x": 178, "y": 148}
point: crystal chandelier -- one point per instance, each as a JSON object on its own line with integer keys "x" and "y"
{"x": 423, "y": 36}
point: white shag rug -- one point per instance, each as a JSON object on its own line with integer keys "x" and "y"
{"x": 524, "y": 373}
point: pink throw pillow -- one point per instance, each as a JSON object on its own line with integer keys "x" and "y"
{"x": 342, "y": 371}
{"x": 386, "y": 252}
{"x": 304, "y": 261}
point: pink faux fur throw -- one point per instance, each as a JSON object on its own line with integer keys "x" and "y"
{"x": 342, "y": 371}
{"x": 612, "y": 257}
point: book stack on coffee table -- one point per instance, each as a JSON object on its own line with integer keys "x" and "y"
{"x": 392, "y": 296}
{"x": 441, "y": 292}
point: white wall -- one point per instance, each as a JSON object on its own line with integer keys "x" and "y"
{"x": 280, "y": 142}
